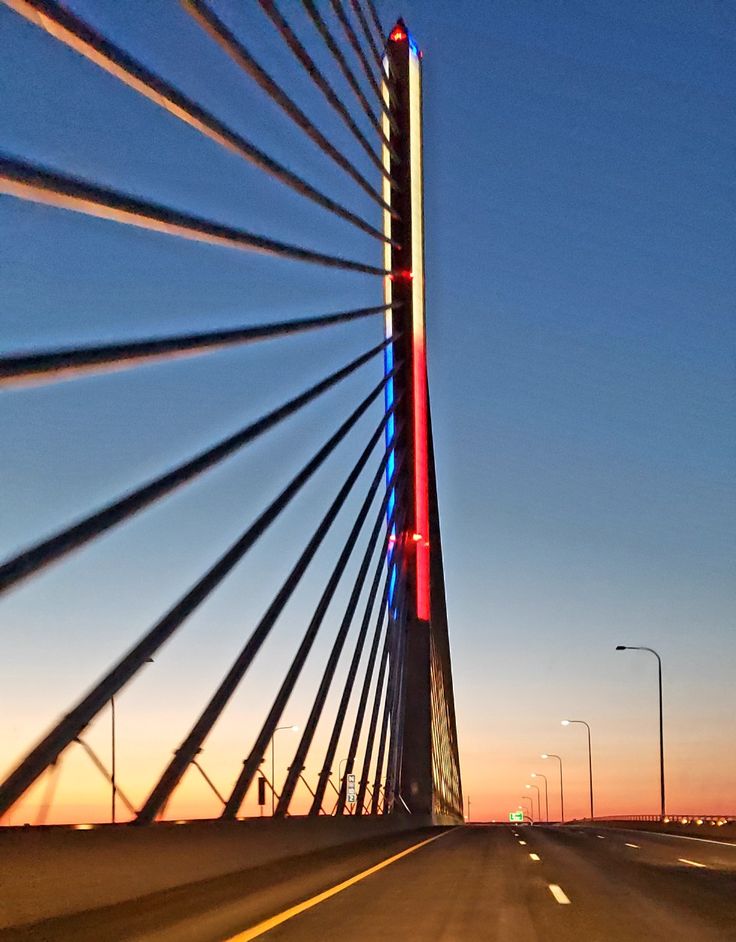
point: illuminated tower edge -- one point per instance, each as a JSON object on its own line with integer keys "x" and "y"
{"x": 405, "y": 260}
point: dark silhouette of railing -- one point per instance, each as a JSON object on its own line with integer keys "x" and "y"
{"x": 398, "y": 674}
{"x": 697, "y": 819}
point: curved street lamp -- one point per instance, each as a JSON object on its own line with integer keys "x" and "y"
{"x": 546, "y": 794}
{"x": 631, "y": 647}
{"x": 552, "y": 755}
{"x": 531, "y": 806}
{"x": 539, "y": 808}
{"x": 590, "y": 759}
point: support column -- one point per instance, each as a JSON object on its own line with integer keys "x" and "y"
{"x": 412, "y": 722}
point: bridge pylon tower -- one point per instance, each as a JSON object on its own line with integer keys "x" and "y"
{"x": 423, "y": 771}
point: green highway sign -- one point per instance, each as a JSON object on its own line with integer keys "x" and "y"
{"x": 516, "y": 815}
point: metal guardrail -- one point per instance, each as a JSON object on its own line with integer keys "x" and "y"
{"x": 685, "y": 819}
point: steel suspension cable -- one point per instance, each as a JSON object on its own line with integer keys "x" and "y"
{"x": 250, "y": 766}
{"x": 358, "y": 49}
{"x": 35, "y": 558}
{"x": 310, "y": 66}
{"x": 48, "y": 795}
{"x": 99, "y": 765}
{"x": 342, "y": 708}
{"x": 331, "y": 43}
{"x": 376, "y": 20}
{"x": 352, "y": 38}
{"x": 340, "y": 713}
{"x": 397, "y": 562}
{"x": 393, "y": 771}
{"x": 360, "y": 714}
{"x": 48, "y": 366}
{"x": 71, "y": 725}
{"x": 382, "y": 746}
{"x": 368, "y": 752}
{"x": 205, "y": 776}
{"x": 358, "y": 10}
{"x": 192, "y": 744}
{"x": 387, "y": 666}
{"x": 225, "y": 38}
{"x": 40, "y": 185}
{"x": 391, "y": 649}
{"x": 315, "y": 713}
{"x": 79, "y": 36}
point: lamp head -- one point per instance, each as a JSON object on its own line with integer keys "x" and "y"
{"x": 295, "y": 729}
{"x": 527, "y": 786}
{"x": 565, "y": 723}
{"x": 544, "y": 756}
{"x": 534, "y": 774}
{"x": 620, "y": 647}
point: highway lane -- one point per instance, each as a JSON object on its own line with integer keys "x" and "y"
{"x": 545, "y": 883}
{"x": 523, "y": 884}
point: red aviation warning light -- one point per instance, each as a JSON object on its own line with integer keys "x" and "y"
{"x": 400, "y": 34}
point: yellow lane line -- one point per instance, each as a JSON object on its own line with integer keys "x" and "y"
{"x": 262, "y": 927}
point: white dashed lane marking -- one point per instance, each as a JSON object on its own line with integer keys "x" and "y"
{"x": 534, "y": 856}
{"x": 692, "y": 863}
{"x": 558, "y": 894}
{"x": 632, "y": 845}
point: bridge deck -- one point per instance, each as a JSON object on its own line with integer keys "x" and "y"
{"x": 470, "y": 883}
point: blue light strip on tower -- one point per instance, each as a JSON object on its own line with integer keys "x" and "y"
{"x": 388, "y": 365}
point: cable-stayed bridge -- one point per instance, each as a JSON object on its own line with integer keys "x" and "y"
{"x": 341, "y": 621}
{"x": 396, "y": 700}
{"x": 378, "y": 741}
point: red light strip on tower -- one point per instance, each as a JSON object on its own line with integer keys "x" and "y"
{"x": 419, "y": 372}
{"x": 421, "y": 477}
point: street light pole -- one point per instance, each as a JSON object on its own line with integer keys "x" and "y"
{"x": 113, "y": 752}
{"x": 630, "y": 647}
{"x": 112, "y": 757}
{"x": 531, "y": 806}
{"x": 294, "y": 729}
{"x": 590, "y": 760}
{"x": 539, "y": 807}
{"x": 551, "y": 755}
{"x": 546, "y": 794}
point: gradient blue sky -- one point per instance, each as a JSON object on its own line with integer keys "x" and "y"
{"x": 581, "y": 284}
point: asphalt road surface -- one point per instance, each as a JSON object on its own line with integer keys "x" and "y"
{"x": 500, "y": 883}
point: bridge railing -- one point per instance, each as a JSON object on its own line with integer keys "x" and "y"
{"x": 698, "y": 819}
